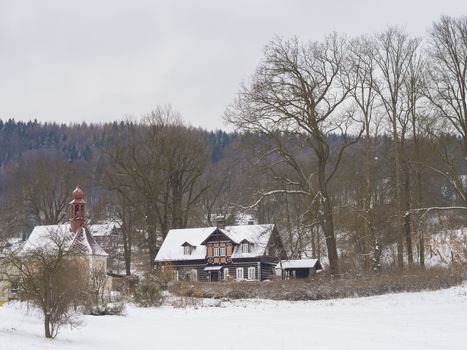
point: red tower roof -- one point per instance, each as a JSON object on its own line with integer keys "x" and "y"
{"x": 77, "y": 209}
{"x": 78, "y": 195}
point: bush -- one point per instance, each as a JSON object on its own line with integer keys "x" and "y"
{"x": 117, "y": 309}
{"x": 324, "y": 286}
{"x": 148, "y": 294}
{"x": 189, "y": 289}
{"x": 185, "y": 302}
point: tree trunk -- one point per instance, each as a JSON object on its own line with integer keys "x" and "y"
{"x": 48, "y": 334}
{"x": 369, "y": 239}
{"x": 177, "y": 198}
{"x": 421, "y": 241}
{"x": 397, "y": 166}
{"x": 127, "y": 252}
{"x": 152, "y": 236}
{"x": 406, "y": 217}
{"x": 313, "y": 244}
{"x": 126, "y": 236}
{"x": 326, "y": 218}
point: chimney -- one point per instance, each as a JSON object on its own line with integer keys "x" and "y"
{"x": 220, "y": 220}
{"x": 77, "y": 209}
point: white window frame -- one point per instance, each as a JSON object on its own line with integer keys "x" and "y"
{"x": 222, "y": 251}
{"x": 245, "y": 247}
{"x": 194, "y": 275}
{"x": 216, "y": 251}
{"x": 176, "y": 276}
{"x": 239, "y": 273}
{"x": 226, "y": 273}
{"x": 251, "y": 273}
{"x": 187, "y": 249}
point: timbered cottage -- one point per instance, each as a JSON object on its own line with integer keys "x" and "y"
{"x": 243, "y": 252}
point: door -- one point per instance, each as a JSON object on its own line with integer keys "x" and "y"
{"x": 214, "y": 276}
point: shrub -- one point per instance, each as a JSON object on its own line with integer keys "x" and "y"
{"x": 148, "y": 294}
{"x": 189, "y": 289}
{"x": 324, "y": 286}
{"x": 185, "y": 302}
{"x": 117, "y": 309}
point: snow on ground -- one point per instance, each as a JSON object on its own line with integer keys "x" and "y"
{"x": 426, "y": 320}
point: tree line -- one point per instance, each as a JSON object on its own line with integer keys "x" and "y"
{"x": 348, "y": 144}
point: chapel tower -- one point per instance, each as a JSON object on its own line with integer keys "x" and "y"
{"x": 77, "y": 209}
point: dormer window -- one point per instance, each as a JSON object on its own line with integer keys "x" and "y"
{"x": 187, "y": 249}
{"x": 245, "y": 247}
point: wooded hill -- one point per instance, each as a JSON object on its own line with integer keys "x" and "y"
{"x": 350, "y": 145}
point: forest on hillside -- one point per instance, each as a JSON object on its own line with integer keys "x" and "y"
{"x": 349, "y": 145}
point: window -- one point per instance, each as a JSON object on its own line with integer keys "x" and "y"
{"x": 245, "y": 247}
{"x": 176, "y": 277}
{"x": 251, "y": 273}
{"x": 193, "y": 275}
{"x": 222, "y": 251}
{"x": 239, "y": 273}
{"x": 226, "y": 273}
{"x": 216, "y": 251}
{"x": 187, "y": 249}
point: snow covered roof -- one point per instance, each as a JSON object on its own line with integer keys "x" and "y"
{"x": 299, "y": 264}
{"x": 258, "y": 235}
{"x": 172, "y": 247}
{"x": 10, "y": 245}
{"x": 49, "y": 236}
{"x": 104, "y": 228}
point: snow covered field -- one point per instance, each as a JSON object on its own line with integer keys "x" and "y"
{"x": 427, "y": 320}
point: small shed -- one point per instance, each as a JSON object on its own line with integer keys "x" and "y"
{"x": 301, "y": 268}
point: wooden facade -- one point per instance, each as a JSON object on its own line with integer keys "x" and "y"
{"x": 302, "y": 268}
{"x": 224, "y": 260}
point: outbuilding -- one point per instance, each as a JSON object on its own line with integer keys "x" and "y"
{"x": 301, "y": 268}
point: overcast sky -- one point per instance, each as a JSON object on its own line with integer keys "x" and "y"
{"x": 100, "y": 60}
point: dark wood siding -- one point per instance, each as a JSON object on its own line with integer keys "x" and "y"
{"x": 263, "y": 271}
{"x": 184, "y": 271}
{"x": 267, "y": 271}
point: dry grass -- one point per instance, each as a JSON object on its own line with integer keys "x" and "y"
{"x": 324, "y": 286}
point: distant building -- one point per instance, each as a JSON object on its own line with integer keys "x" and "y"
{"x": 7, "y": 291}
{"x": 108, "y": 234}
{"x": 302, "y": 268}
{"x": 75, "y": 236}
{"x": 243, "y": 252}
{"x": 76, "y": 232}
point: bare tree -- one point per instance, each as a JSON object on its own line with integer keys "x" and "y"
{"x": 40, "y": 185}
{"x": 50, "y": 279}
{"x": 418, "y": 122}
{"x": 446, "y": 90}
{"x": 157, "y": 169}
{"x": 297, "y": 91}
{"x": 362, "y": 79}
{"x": 98, "y": 280}
{"x": 395, "y": 52}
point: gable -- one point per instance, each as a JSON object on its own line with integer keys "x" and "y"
{"x": 172, "y": 247}
{"x": 217, "y": 236}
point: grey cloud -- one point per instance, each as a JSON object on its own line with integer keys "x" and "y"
{"x": 100, "y": 60}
